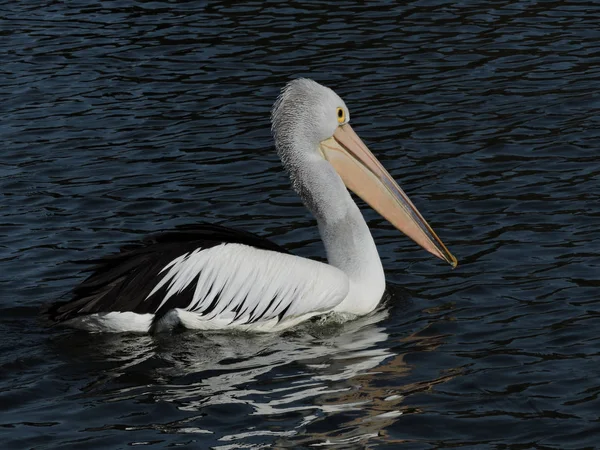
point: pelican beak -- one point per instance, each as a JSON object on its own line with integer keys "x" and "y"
{"x": 364, "y": 175}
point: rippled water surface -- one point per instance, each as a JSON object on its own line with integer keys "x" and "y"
{"x": 123, "y": 118}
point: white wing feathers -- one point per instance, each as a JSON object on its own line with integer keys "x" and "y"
{"x": 243, "y": 284}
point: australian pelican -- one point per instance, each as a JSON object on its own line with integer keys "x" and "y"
{"x": 210, "y": 277}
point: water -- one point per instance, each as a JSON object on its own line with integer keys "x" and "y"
{"x": 119, "y": 119}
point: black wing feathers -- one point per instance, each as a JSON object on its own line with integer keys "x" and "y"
{"x": 123, "y": 281}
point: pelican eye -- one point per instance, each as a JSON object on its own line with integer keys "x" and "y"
{"x": 341, "y": 115}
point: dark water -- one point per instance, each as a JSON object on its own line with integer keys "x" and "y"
{"x": 123, "y": 118}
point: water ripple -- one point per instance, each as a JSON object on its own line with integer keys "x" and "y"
{"x": 123, "y": 118}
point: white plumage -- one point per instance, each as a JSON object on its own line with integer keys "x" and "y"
{"x": 281, "y": 286}
{"x": 245, "y": 288}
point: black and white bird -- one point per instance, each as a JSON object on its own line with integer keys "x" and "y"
{"x": 212, "y": 278}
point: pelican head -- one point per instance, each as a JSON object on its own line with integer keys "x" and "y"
{"x": 315, "y": 115}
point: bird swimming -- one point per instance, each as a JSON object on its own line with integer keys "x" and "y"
{"x": 210, "y": 277}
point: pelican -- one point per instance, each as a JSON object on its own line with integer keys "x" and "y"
{"x": 210, "y": 277}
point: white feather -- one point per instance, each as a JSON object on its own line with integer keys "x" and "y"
{"x": 252, "y": 284}
{"x": 114, "y": 322}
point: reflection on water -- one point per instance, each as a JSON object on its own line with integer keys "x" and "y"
{"x": 322, "y": 371}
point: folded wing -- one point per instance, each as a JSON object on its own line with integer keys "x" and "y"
{"x": 222, "y": 276}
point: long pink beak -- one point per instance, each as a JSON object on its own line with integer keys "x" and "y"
{"x": 364, "y": 175}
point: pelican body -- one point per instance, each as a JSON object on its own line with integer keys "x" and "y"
{"x": 210, "y": 277}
